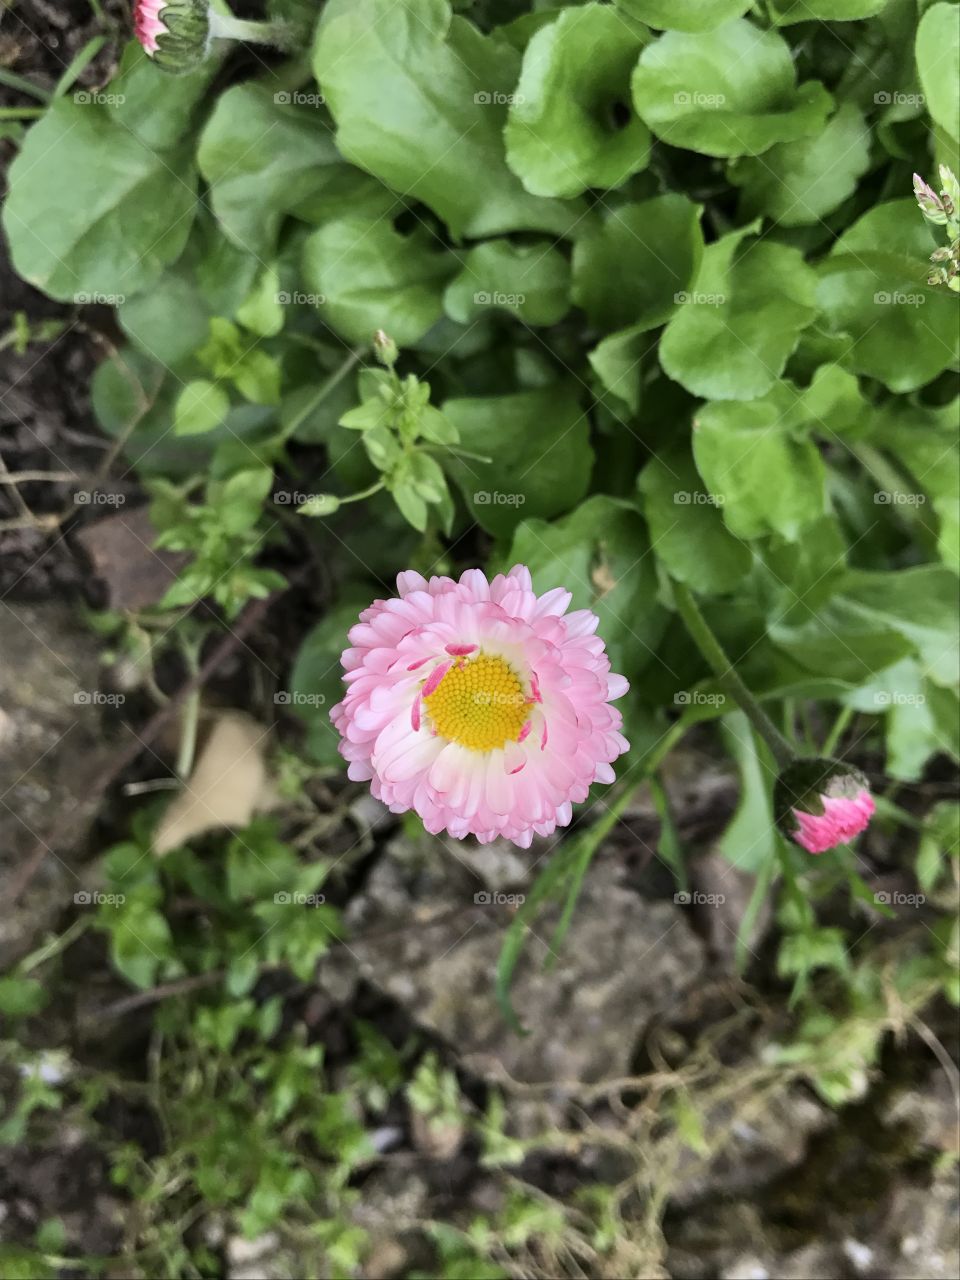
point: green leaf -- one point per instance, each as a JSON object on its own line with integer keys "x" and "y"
{"x": 924, "y": 442}
{"x": 541, "y": 457}
{"x": 799, "y": 183}
{"x": 875, "y": 618}
{"x": 262, "y": 310}
{"x": 873, "y": 292}
{"x": 420, "y": 99}
{"x": 412, "y": 506}
{"x": 727, "y": 92}
{"x": 140, "y": 943}
{"x": 938, "y": 62}
{"x": 20, "y": 997}
{"x": 599, "y": 553}
{"x": 738, "y": 325}
{"x": 787, "y": 11}
{"x": 169, "y": 321}
{"x": 372, "y": 277}
{"x": 686, "y": 528}
{"x": 750, "y": 839}
{"x": 201, "y": 406}
{"x": 155, "y": 106}
{"x": 563, "y": 134}
{"x": 94, "y": 214}
{"x": 239, "y": 500}
{"x": 685, "y": 15}
{"x": 765, "y": 475}
{"x": 530, "y": 281}
{"x": 630, "y": 269}
{"x": 264, "y": 158}
{"x": 618, "y": 362}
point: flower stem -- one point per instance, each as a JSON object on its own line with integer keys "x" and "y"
{"x": 335, "y": 378}
{"x": 280, "y": 34}
{"x": 712, "y": 650}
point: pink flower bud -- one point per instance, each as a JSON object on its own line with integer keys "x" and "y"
{"x": 822, "y": 803}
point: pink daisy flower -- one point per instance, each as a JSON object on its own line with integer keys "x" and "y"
{"x": 480, "y": 705}
{"x": 146, "y": 22}
{"x": 843, "y": 817}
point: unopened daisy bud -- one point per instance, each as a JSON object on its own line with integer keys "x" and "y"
{"x": 385, "y": 349}
{"x": 175, "y": 33}
{"x": 928, "y": 200}
{"x": 822, "y": 803}
{"x": 320, "y": 504}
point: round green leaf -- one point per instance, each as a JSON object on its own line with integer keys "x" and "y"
{"x": 788, "y": 11}
{"x": 420, "y": 100}
{"x": 938, "y": 62}
{"x": 367, "y": 276}
{"x": 263, "y": 155}
{"x": 532, "y": 281}
{"x": 562, "y": 131}
{"x": 685, "y": 15}
{"x": 686, "y": 528}
{"x": 765, "y": 476}
{"x": 201, "y": 406}
{"x": 731, "y": 338}
{"x": 94, "y": 214}
{"x": 727, "y": 92}
{"x": 631, "y": 268}
{"x": 538, "y": 443}
{"x": 799, "y": 183}
{"x": 873, "y": 292}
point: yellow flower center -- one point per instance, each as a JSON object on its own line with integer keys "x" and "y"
{"x": 479, "y": 704}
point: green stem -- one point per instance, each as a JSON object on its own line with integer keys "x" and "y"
{"x": 282, "y": 35}
{"x": 363, "y": 493}
{"x": 323, "y": 391}
{"x": 837, "y": 731}
{"x": 723, "y": 669}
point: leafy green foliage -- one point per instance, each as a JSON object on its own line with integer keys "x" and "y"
{"x": 727, "y": 92}
{"x": 633, "y": 293}
{"x": 562, "y": 132}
